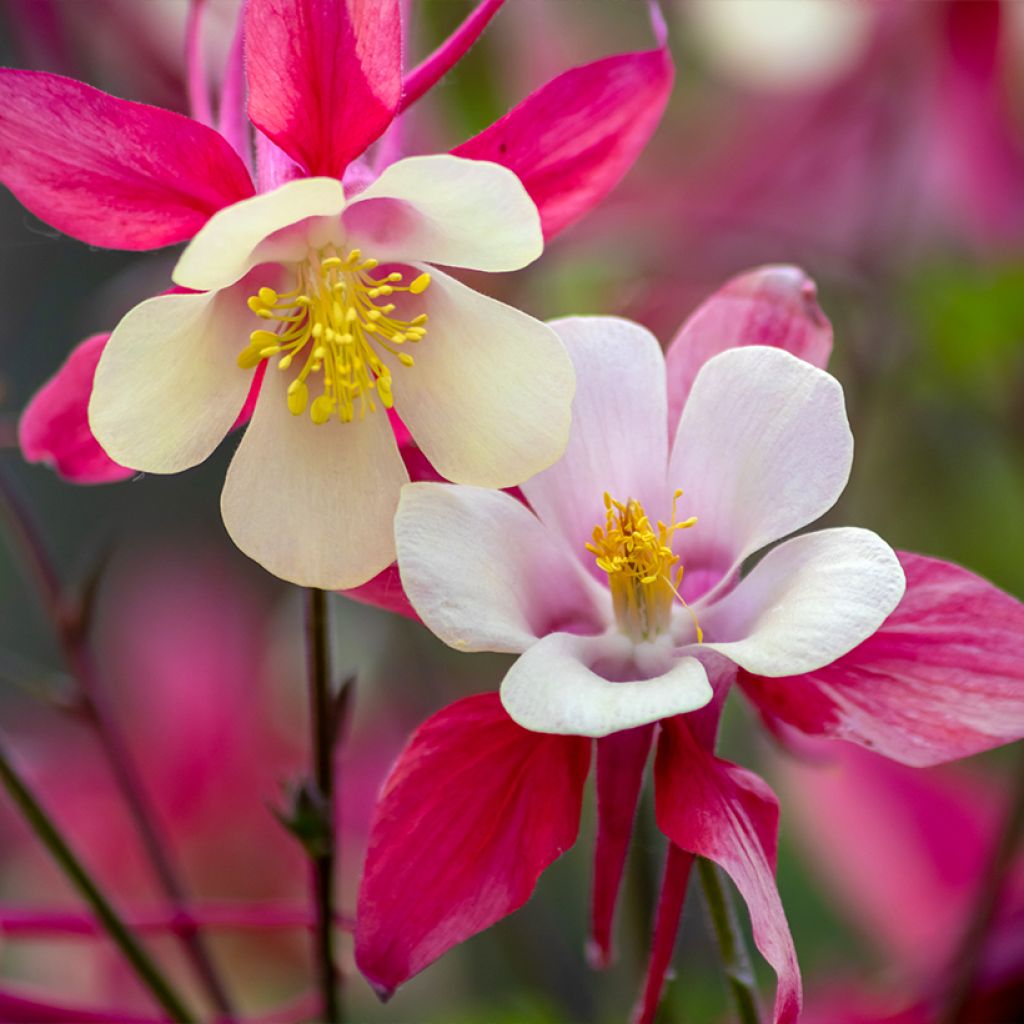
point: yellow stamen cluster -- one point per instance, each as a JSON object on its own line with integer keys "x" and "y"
{"x": 334, "y": 319}
{"x": 642, "y": 568}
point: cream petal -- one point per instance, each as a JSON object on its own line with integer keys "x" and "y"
{"x": 806, "y": 603}
{"x": 489, "y": 397}
{"x": 763, "y": 448}
{"x": 617, "y": 442}
{"x": 314, "y": 504}
{"x": 167, "y": 388}
{"x": 237, "y": 238}
{"x": 593, "y": 686}
{"x": 448, "y": 210}
{"x": 483, "y": 572}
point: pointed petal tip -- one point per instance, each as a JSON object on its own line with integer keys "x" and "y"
{"x": 381, "y": 991}
{"x": 599, "y": 954}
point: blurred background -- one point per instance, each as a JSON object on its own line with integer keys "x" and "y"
{"x": 880, "y": 146}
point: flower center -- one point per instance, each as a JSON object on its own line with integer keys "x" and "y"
{"x": 332, "y": 323}
{"x": 644, "y": 573}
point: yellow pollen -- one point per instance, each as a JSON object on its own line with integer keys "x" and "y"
{"x": 333, "y": 324}
{"x": 644, "y": 574}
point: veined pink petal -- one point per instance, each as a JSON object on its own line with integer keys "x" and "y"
{"x": 573, "y": 139}
{"x": 474, "y": 811}
{"x": 774, "y": 305}
{"x": 54, "y": 428}
{"x": 324, "y": 76}
{"x": 666, "y": 928}
{"x": 621, "y": 759}
{"x": 107, "y": 171}
{"x": 714, "y": 809}
{"x": 942, "y": 678}
{"x": 429, "y": 71}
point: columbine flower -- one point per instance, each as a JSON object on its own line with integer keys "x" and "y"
{"x": 332, "y": 283}
{"x": 162, "y": 181}
{"x": 627, "y": 613}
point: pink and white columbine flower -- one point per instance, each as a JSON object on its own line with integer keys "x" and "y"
{"x": 291, "y": 278}
{"x": 488, "y": 792}
{"x": 325, "y": 274}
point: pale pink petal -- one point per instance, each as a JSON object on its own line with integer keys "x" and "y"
{"x": 666, "y": 930}
{"x": 714, "y": 809}
{"x": 572, "y": 140}
{"x": 775, "y": 306}
{"x": 597, "y": 685}
{"x": 324, "y": 76}
{"x": 942, "y": 679}
{"x": 474, "y": 811}
{"x": 617, "y": 441}
{"x": 54, "y": 428}
{"x": 621, "y": 759}
{"x": 806, "y": 603}
{"x": 167, "y": 388}
{"x": 763, "y": 449}
{"x": 256, "y": 231}
{"x": 107, "y": 171}
{"x": 430, "y": 70}
{"x": 313, "y": 503}
{"x": 442, "y": 209}
{"x": 489, "y": 397}
{"x": 483, "y": 572}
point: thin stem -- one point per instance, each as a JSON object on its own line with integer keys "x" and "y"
{"x": 92, "y": 702}
{"x": 732, "y": 947}
{"x": 134, "y": 953}
{"x": 323, "y": 854}
{"x": 968, "y": 956}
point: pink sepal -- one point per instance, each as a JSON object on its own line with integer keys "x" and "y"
{"x": 474, "y": 810}
{"x": 942, "y": 679}
{"x": 666, "y": 928}
{"x": 774, "y": 305}
{"x": 573, "y": 139}
{"x": 384, "y": 591}
{"x": 431, "y": 69}
{"x": 107, "y": 171}
{"x": 621, "y": 759}
{"x": 54, "y": 428}
{"x": 714, "y": 809}
{"x": 325, "y": 76}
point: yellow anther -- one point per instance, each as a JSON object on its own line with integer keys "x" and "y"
{"x": 267, "y": 296}
{"x": 644, "y": 573}
{"x": 321, "y": 409}
{"x": 298, "y": 397}
{"x": 405, "y": 359}
{"x": 248, "y": 358}
{"x": 419, "y": 286}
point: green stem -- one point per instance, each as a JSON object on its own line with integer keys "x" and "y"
{"x": 732, "y": 947}
{"x": 134, "y": 953}
{"x": 324, "y": 855}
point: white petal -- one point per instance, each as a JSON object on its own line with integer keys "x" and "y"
{"x": 591, "y": 686}
{"x": 807, "y": 602}
{"x": 167, "y": 387}
{"x": 483, "y": 572}
{"x": 313, "y": 504}
{"x": 617, "y": 442}
{"x": 237, "y": 238}
{"x": 490, "y": 395}
{"x": 449, "y": 210}
{"x": 763, "y": 449}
